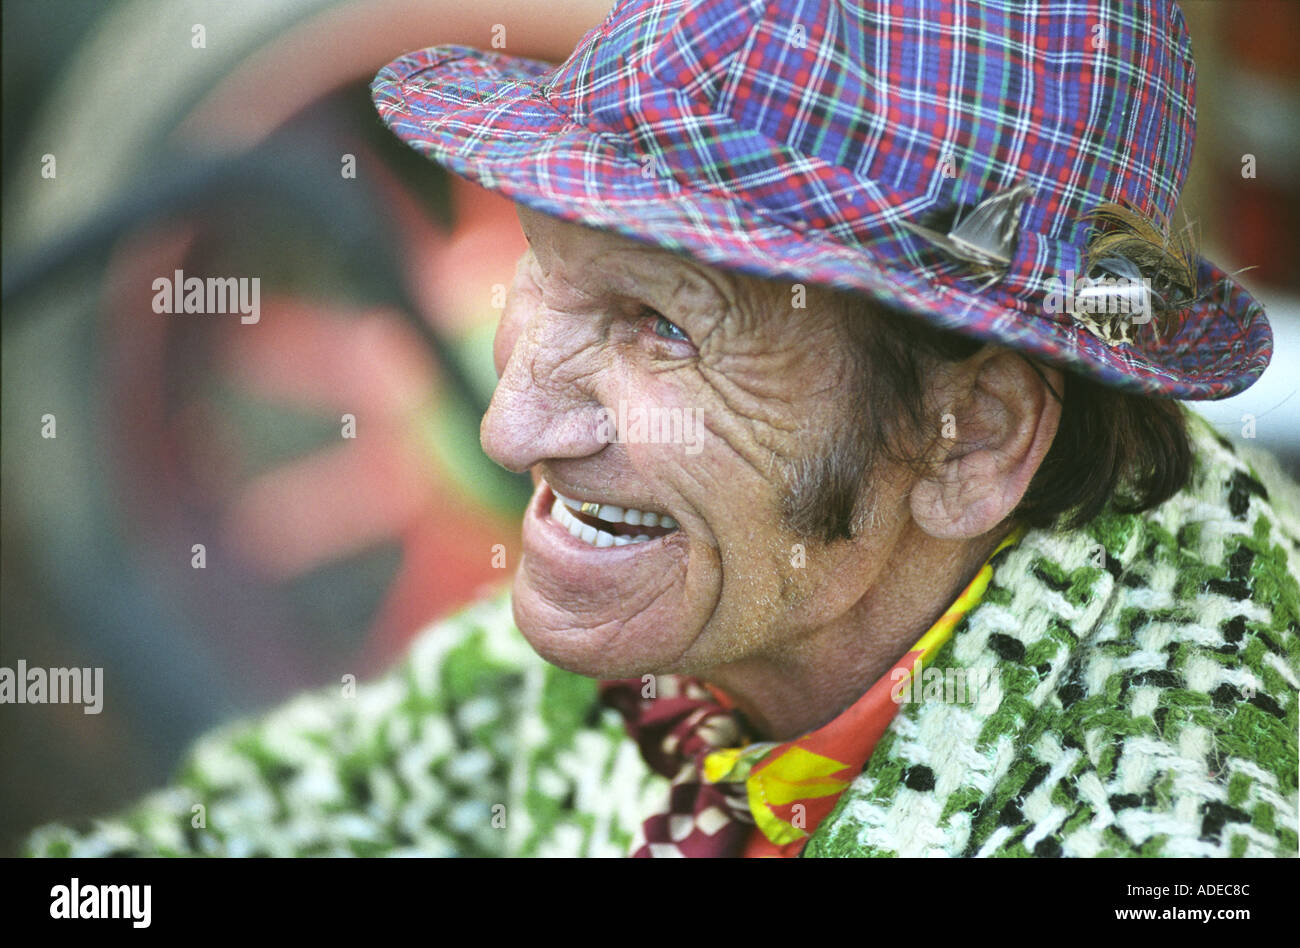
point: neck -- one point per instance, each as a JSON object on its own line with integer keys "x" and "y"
{"x": 813, "y": 678}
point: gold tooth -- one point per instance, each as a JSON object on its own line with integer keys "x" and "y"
{"x": 589, "y": 508}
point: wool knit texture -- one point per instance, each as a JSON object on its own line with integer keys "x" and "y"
{"x": 1142, "y": 701}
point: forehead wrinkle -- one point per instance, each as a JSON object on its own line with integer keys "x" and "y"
{"x": 751, "y": 301}
{"x": 597, "y": 262}
{"x": 560, "y": 284}
{"x": 737, "y": 304}
{"x": 721, "y": 285}
{"x": 673, "y": 280}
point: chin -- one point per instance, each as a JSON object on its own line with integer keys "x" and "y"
{"x": 619, "y": 648}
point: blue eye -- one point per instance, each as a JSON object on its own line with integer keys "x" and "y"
{"x": 665, "y": 329}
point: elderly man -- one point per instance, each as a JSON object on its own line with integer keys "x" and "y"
{"x": 843, "y": 358}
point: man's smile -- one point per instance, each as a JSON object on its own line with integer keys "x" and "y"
{"x": 603, "y": 525}
{"x": 558, "y": 527}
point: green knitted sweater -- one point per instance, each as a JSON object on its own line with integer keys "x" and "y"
{"x": 1144, "y": 702}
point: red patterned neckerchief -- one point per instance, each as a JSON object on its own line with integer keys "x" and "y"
{"x": 730, "y": 795}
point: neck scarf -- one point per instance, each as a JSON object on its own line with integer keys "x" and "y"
{"x": 731, "y": 795}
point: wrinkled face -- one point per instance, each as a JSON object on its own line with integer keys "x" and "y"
{"x": 660, "y": 405}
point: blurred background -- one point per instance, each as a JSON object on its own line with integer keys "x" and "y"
{"x": 325, "y": 555}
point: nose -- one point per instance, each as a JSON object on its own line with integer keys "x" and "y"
{"x": 544, "y": 406}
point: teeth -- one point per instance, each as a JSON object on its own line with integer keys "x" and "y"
{"x": 586, "y": 532}
{"x": 610, "y": 513}
{"x": 562, "y": 509}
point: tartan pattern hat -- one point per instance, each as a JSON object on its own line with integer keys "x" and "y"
{"x": 797, "y": 139}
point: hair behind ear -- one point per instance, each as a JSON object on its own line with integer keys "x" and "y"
{"x": 1132, "y": 450}
{"x": 1111, "y": 446}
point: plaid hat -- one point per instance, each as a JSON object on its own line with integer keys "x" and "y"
{"x": 820, "y": 141}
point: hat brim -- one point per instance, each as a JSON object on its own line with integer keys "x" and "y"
{"x": 486, "y": 117}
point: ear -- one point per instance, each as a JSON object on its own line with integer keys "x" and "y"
{"x": 1003, "y": 420}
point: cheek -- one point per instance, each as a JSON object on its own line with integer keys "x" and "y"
{"x": 685, "y": 436}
